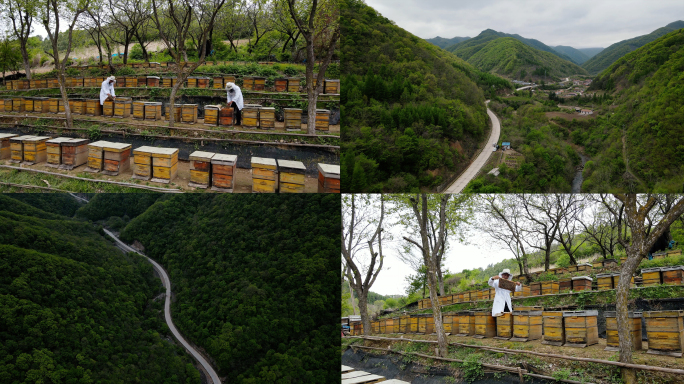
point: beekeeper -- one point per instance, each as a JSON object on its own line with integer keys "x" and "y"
{"x": 235, "y": 100}
{"x": 502, "y": 299}
{"x": 107, "y": 90}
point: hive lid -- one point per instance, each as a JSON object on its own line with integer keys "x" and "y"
{"x": 583, "y": 278}
{"x": 526, "y": 313}
{"x": 679, "y": 313}
{"x": 117, "y": 147}
{"x": 289, "y": 164}
{"x": 262, "y": 162}
{"x": 252, "y": 106}
{"x": 654, "y": 269}
{"x": 100, "y": 143}
{"x": 329, "y": 170}
{"x": 678, "y": 267}
{"x": 37, "y": 138}
{"x": 333, "y": 80}
{"x": 123, "y": 100}
{"x": 587, "y": 264}
{"x": 7, "y": 135}
{"x": 224, "y": 157}
{"x": 58, "y": 140}
{"x": 267, "y": 108}
{"x": 292, "y": 109}
{"x": 163, "y": 152}
{"x": 551, "y": 312}
{"x": 153, "y": 77}
{"x": 144, "y": 150}
{"x": 153, "y": 103}
{"x": 608, "y": 274}
{"x": 580, "y": 313}
{"x": 75, "y": 142}
{"x": 630, "y": 314}
{"x": 201, "y": 156}
{"x": 189, "y": 105}
{"x": 323, "y": 111}
{"x": 529, "y": 308}
{"x": 212, "y": 106}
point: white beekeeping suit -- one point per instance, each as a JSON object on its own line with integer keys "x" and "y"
{"x": 107, "y": 89}
{"x": 235, "y": 94}
{"x": 502, "y": 297}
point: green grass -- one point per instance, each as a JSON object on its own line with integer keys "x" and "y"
{"x": 72, "y": 185}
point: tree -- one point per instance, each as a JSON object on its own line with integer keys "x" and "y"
{"x": 320, "y": 27}
{"x": 361, "y": 231}
{"x": 233, "y": 22}
{"x": 541, "y": 211}
{"x": 646, "y": 225}
{"x": 9, "y": 57}
{"x": 175, "y": 19}
{"x": 259, "y": 14}
{"x": 96, "y": 22}
{"x": 600, "y": 227}
{"x": 572, "y": 207}
{"x": 21, "y": 14}
{"x": 127, "y": 16}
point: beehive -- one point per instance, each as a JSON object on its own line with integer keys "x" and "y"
{"x": 572, "y": 268}
{"x": 5, "y": 149}
{"x": 168, "y": 82}
{"x": 189, "y": 113}
{"x": 525, "y": 291}
{"x": 584, "y": 267}
{"x": 293, "y": 84}
{"x": 229, "y": 79}
{"x": 281, "y": 85}
{"x": 328, "y": 178}
{"x": 211, "y": 115}
{"x": 17, "y": 148}
{"x": 605, "y": 281}
{"x": 665, "y": 331}
{"x": 122, "y": 107}
{"x": 89, "y": 82}
{"x": 674, "y": 252}
{"x": 248, "y": 83}
{"x": 264, "y": 175}
{"x": 96, "y": 156}
{"x": 139, "y": 110}
{"x": 74, "y": 153}
{"x": 116, "y": 158}
{"x": 41, "y": 83}
{"x": 164, "y": 164}
{"x": 77, "y": 82}
{"x": 332, "y": 86}
{"x": 658, "y": 255}
{"x": 429, "y": 324}
{"x": 267, "y": 118}
{"x": 322, "y": 119}
{"x": 250, "y": 116}
{"x": 28, "y": 104}
{"x": 484, "y": 295}
{"x": 35, "y": 149}
{"x": 142, "y": 81}
{"x": 581, "y": 283}
{"x": 616, "y": 279}
{"x": 673, "y": 275}
{"x": 504, "y": 326}
{"x": 564, "y": 285}
{"x": 54, "y": 151}
{"x": 466, "y": 323}
{"x": 217, "y": 82}
{"x": 177, "y": 109}
{"x": 476, "y": 295}
{"x": 226, "y": 117}
{"x": 389, "y": 325}
{"x": 535, "y": 289}
{"x": 152, "y": 81}
{"x": 413, "y": 324}
{"x": 24, "y": 84}
{"x": 80, "y": 106}
{"x": 404, "y": 324}
{"x": 108, "y": 108}
{"x": 7, "y": 104}
{"x": 292, "y": 178}
{"x": 612, "y": 340}
{"x": 131, "y": 81}
{"x": 33, "y": 84}
{"x": 609, "y": 262}
{"x": 651, "y": 276}
{"x": 93, "y": 107}
{"x": 142, "y": 163}
{"x": 200, "y": 169}
{"x": 581, "y": 329}
{"x": 293, "y": 119}
{"x": 259, "y": 83}
{"x": 191, "y": 82}
{"x": 553, "y": 327}
{"x": 447, "y": 321}
{"x": 597, "y": 264}
{"x": 203, "y": 82}
{"x": 375, "y": 325}
{"x": 485, "y": 325}
{"x": 154, "y": 64}
{"x": 153, "y": 110}
{"x": 52, "y": 83}
{"x": 17, "y": 104}
{"x": 527, "y": 325}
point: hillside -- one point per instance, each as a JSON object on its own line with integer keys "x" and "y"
{"x": 590, "y": 52}
{"x": 647, "y": 87}
{"x": 578, "y": 57}
{"x": 609, "y": 55}
{"x": 413, "y": 113}
{"x": 444, "y": 42}
{"x": 509, "y": 57}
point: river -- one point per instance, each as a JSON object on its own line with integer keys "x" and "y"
{"x": 577, "y": 181}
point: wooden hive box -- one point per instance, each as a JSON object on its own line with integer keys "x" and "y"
{"x": 18, "y": 104}
{"x": 293, "y": 84}
{"x": 413, "y": 324}
{"x": 152, "y": 81}
{"x": 93, "y": 107}
{"x": 211, "y": 115}
{"x": 250, "y": 116}
{"x": 24, "y": 84}
{"x": 404, "y": 324}
{"x": 581, "y": 328}
{"x": 33, "y": 84}
{"x": 77, "y": 82}
{"x": 131, "y": 82}
{"x": 142, "y": 163}
{"x": 52, "y": 83}
{"x": 74, "y": 153}
{"x": 80, "y": 106}
{"x": 507, "y": 285}
{"x": 164, "y": 164}
{"x": 154, "y": 64}
{"x": 612, "y": 340}
{"x": 322, "y": 120}
{"x": 100, "y": 80}
{"x": 7, "y": 104}
{"x": 328, "y": 178}
{"x": 5, "y": 148}
{"x": 485, "y": 325}
{"x": 200, "y": 169}
{"x": 281, "y": 85}
{"x": 139, "y": 110}
{"x": 293, "y": 119}
{"x": 226, "y": 117}
{"x": 673, "y": 275}
{"x": 527, "y": 325}
{"x": 332, "y": 86}
{"x": 153, "y": 110}
{"x": 484, "y": 295}
{"x": 264, "y": 175}
{"x": 229, "y": 79}
{"x": 581, "y": 283}
{"x": 108, "y": 108}
{"x": 525, "y": 291}
{"x": 375, "y": 326}
{"x": 267, "y": 118}
{"x": 658, "y": 255}
{"x": 447, "y": 322}
{"x": 651, "y": 276}
{"x": 565, "y": 285}
{"x": 116, "y": 158}
{"x": 203, "y": 82}
{"x": 476, "y": 295}
{"x": 383, "y": 326}
{"x": 122, "y": 107}
{"x": 96, "y": 156}
{"x": 609, "y": 262}
{"x": 389, "y": 325}
{"x": 17, "y": 148}
{"x": 166, "y": 82}
{"x": 259, "y": 83}
{"x": 89, "y": 82}
{"x": 429, "y": 324}
{"x": 597, "y": 264}
{"x": 674, "y": 252}
{"x": 217, "y": 82}
{"x": 248, "y": 83}
{"x": 616, "y": 279}
{"x": 142, "y": 81}
{"x": 189, "y": 113}
{"x": 35, "y": 149}
{"x": 466, "y": 323}
{"x": 572, "y": 268}
{"x": 54, "y": 151}
{"x": 191, "y": 82}
{"x": 535, "y": 289}
{"x": 605, "y": 281}
{"x": 553, "y": 328}
{"x": 504, "y": 326}
{"x": 41, "y": 83}
{"x": 584, "y": 267}
{"x": 292, "y": 176}
{"x": 665, "y": 332}
{"x": 442, "y": 299}
{"x": 28, "y": 103}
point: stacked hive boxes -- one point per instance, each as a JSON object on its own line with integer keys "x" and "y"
{"x": 291, "y": 176}
{"x": 673, "y": 275}
{"x": 226, "y": 116}
{"x": 581, "y": 283}
{"x": 211, "y": 115}
{"x": 564, "y": 285}
{"x": 54, "y": 151}
{"x": 504, "y": 326}
{"x": 108, "y": 108}
{"x": 612, "y": 340}
{"x": 142, "y": 163}
{"x": 332, "y": 86}
{"x": 189, "y": 113}
{"x": 651, "y": 276}
{"x": 152, "y": 81}
{"x": 41, "y": 104}
{"x": 74, "y": 153}
{"x": 554, "y": 330}
{"x": 527, "y": 325}
{"x": 581, "y": 328}
{"x": 665, "y": 330}
{"x": 96, "y": 156}
{"x": 250, "y": 116}
{"x": 35, "y": 149}
{"x": 5, "y": 151}
{"x": 605, "y": 281}
{"x": 153, "y": 110}
{"x": 164, "y": 164}
{"x": 259, "y": 83}
{"x": 139, "y": 110}
{"x": 616, "y": 280}
{"x": 116, "y": 158}
{"x": 281, "y": 85}
{"x": 322, "y": 119}
{"x": 466, "y": 323}
{"x": 218, "y": 82}
{"x": 200, "y": 169}
{"x": 267, "y": 118}
{"x": 328, "y": 178}
{"x": 485, "y": 325}
{"x": 93, "y": 107}
{"x": 293, "y": 119}
{"x": 122, "y": 107}
{"x": 292, "y": 84}
{"x": 264, "y": 175}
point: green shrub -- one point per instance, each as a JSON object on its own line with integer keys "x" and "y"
{"x": 136, "y": 52}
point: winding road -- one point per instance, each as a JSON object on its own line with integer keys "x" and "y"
{"x": 167, "y": 310}
{"x": 474, "y": 168}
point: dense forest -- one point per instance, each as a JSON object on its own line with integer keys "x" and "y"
{"x": 59, "y": 203}
{"x": 73, "y": 308}
{"x": 106, "y": 205}
{"x": 413, "y": 113}
{"x": 444, "y": 42}
{"x": 611, "y": 54}
{"x": 578, "y": 57}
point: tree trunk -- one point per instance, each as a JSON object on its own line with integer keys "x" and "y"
{"x": 127, "y": 42}
{"x": 146, "y": 57}
{"x": 172, "y": 102}
{"x": 351, "y": 298}
{"x": 25, "y": 57}
{"x": 547, "y": 258}
{"x": 363, "y": 309}
{"x": 311, "y": 95}
{"x": 441, "y": 281}
{"x": 526, "y": 264}
{"x": 65, "y": 98}
{"x": 437, "y": 312}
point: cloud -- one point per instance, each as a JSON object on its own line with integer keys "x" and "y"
{"x": 577, "y": 23}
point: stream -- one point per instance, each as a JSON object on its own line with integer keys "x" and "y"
{"x": 577, "y": 181}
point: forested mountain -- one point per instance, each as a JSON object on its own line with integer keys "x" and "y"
{"x": 105, "y": 205}
{"x": 509, "y": 57}
{"x": 609, "y": 55}
{"x": 413, "y": 113}
{"x": 590, "y": 52}
{"x": 59, "y": 203}
{"x": 578, "y": 57}
{"x": 443, "y": 42}
{"x": 468, "y": 48}
{"x": 74, "y": 309}
{"x": 648, "y": 91}
{"x": 256, "y": 280}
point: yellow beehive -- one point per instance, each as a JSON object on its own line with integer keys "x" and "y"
{"x": 581, "y": 328}
{"x": 292, "y": 176}
{"x": 28, "y": 104}
{"x": 122, "y": 107}
{"x": 229, "y": 79}
{"x": 322, "y": 120}
{"x": 116, "y": 158}
{"x": 35, "y": 149}
{"x": 218, "y": 82}
{"x": 665, "y": 331}
{"x": 96, "y": 156}
{"x": 549, "y": 287}
{"x": 527, "y": 325}
{"x": 504, "y": 326}
{"x": 248, "y": 83}
{"x": 616, "y": 280}
{"x": 139, "y": 110}
{"x": 74, "y": 153}
{"x": 281, "y": 85}
{"x": 17, "y": 148}
{"x": 267, "y": 118}
{"x": 250, "y": 116}
{"x": 108, "y": 108}
{"x": 142, "y": 163}
{"x": 5, "y": 149}
{"x": 293, "y": 84}
{"x": 77, "y": 82}
{"x": 33, "y": 84}
{"x": 605, "y": 281}
{"x": 651, "y": 276}
{"x": 553, "y": 327}
{"x": 485, "y": 325}
{"x": 264, "y": 175}
{"x": 466, "y": 323}
{"x": 612, "y": 339}
{"x": 211, "y": 115}
{"x": 189, "y": 113}
{"x": 54, "y": 151}
{"x": 93, "y": 107}
{"x": 52, "y": 83}
{"x": 332, "y": 86}
{"x": 200, "y": 169}
{"x": 153, "y": 110}
{"x": 259, "y": 83}
{"x": 164, "y": 164}
{"x": 191, "y": 82}
{"x": 17, "y": 104}
{"x": 203, "y": 82}
{"x": 293, "y": 119}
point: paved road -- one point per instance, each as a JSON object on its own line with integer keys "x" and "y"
{"x": 167, "y": 312}
{"x": 472, "y": 170}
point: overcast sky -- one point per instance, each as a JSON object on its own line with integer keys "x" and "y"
{"x": 576, "y": 23}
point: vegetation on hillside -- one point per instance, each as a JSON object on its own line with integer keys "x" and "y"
{"x": 444, "y": 42}
{"x": 578, "y": 57}
{"x": 59, "y": 203}
{"x": 105, "y": 205}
